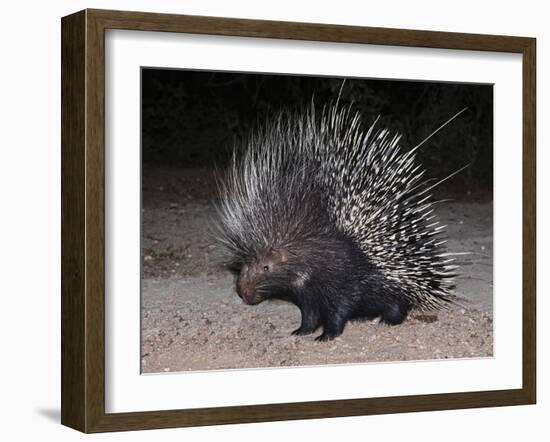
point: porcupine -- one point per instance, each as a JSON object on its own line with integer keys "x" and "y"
{"x": 335, "y": 218}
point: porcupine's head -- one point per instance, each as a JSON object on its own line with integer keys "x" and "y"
{"x": 264, "y": 275}
{"x": 270, "y": 209}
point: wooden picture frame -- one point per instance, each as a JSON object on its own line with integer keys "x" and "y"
{"x": 83, "y": 218}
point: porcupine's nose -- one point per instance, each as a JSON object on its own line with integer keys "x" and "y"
{"x": 245, "y": 290}
{"x": 245, "y": 293}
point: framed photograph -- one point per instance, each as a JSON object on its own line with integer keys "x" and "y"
{"x": 268, "y": 221}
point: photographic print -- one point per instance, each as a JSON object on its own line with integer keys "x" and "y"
{"x": 251, "y": 204}
{"x": 305, "y": 220}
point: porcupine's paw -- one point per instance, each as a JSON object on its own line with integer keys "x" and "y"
{"x": 331, "y": 331}
{"x": 324, "y": 337}
{"x": 302, "y": 331}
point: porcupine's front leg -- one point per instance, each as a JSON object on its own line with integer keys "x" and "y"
{"x": 333, "y": 327}
{"x": 311, "y": 320}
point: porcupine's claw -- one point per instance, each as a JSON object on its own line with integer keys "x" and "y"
{"x": 324, "y": 337}
{"x": 300, "y": 331}
{"x": 332, "y": 330}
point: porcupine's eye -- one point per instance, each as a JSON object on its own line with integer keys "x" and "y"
{"x": 266, "y": 268}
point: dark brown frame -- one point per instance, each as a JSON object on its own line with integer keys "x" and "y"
{"x": 83, "y": 215}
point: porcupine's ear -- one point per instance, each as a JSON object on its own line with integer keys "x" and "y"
{"x": 278, "y": 256}
{"x": 283, "y": 255}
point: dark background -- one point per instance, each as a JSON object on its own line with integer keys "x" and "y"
{"x": 192, "y": 119}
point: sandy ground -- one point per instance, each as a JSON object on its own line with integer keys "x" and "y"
{"x": 192, "y": 318}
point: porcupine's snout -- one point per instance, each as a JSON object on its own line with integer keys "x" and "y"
{"x": 246, "y": 286}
